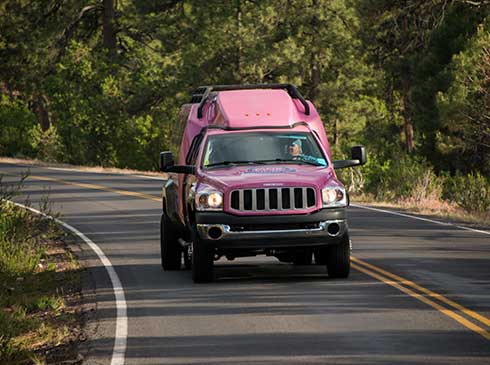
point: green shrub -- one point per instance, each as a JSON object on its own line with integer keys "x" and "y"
{"x": 15, "y": 120}
{"x": 471, "y": 192}
{"x": 428, "y": 187}
{"x": 47, "y": 144}
{"x": 19, "y": 253}
{"x": 402, "y": 178}
{"x": 26, "y": 288}
{"x": 20, "y": 233}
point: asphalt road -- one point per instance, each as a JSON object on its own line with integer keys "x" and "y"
{"x": 260, "y": 311}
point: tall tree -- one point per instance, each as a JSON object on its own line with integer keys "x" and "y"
{"x": 432, "y": 75}
{"x": 109, "y": 25}
{"x": 394, "y": 32}
{"x": 465, "y": 107}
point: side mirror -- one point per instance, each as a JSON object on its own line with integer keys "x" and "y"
{"x": 359, "y": 153}
{"x": 167, "y": 164}
{"x": 358, "y": 158}
{"x": 166, "y": 160}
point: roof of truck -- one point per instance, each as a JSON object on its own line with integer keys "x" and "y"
{"x": 239, "y": 107}
{"x": 245, "y": 108}
{"x": 248, "y": 108}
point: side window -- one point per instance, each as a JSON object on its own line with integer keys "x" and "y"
{"x": 208, "y": 153}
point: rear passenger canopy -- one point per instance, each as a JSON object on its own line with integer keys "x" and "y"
{"x": 250, "y": 105}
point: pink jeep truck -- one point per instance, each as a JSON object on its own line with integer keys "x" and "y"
{"x": 254, "y": 176}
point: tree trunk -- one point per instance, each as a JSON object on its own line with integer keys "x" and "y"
{"x": 409, "y": 145}
{"x": 315, "y": 64}
{"x": 108, "y": 26}
{"x": 39, "y": 107}
{"x": 315, "y": 77}
{"x": 239, "y": 54}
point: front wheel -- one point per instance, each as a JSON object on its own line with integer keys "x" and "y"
{"x": 202, "y": 260}
{"x": 338, "y": 258}
{"x": 170, "y": 250}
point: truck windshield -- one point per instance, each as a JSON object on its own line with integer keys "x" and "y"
{"x": 262, "y": 148}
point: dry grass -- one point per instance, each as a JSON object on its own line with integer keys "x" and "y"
{"x": 95, "y": 169}
{"x": 430, "y": 206}
{"x": 40, "y": 304}
{"x": 45, "y": 306}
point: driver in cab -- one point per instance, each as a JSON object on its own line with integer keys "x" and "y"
{"x": 296, "y": 153}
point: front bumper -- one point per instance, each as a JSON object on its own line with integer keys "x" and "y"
{"x": 223, "y": 230}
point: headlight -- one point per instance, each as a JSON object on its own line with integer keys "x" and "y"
{"x": 334, "y": 197}
{"x": 209, "y": 200}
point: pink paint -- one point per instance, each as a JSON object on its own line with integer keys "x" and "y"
{"x": 248, "y": 109}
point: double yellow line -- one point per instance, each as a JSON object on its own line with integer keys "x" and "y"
{"x": 439, "y": 302}
{"x": 426, "y": 296}
{"x": 100, "y": 187}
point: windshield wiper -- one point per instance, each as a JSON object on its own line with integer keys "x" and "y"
{"x": 263, "y": 162}
{"x": 283, "y": 160}
{"x": 227, "y": 163}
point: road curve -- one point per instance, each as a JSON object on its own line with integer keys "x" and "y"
{"x": 419, "y": 293}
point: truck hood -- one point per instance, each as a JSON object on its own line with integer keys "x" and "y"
{"x": 258, "y": 176}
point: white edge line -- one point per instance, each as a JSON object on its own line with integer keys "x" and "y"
{"x": 421, "y": 219}
{"x": 120, "y": 340}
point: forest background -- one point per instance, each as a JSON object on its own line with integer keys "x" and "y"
{"x": 101, "y": 82}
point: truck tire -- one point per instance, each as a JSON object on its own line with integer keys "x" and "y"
{"x": 338, "y": 258}
{"x": 202, "y": 260}
{"x": 303, "y": 257}
{"x": 170, "y": 250}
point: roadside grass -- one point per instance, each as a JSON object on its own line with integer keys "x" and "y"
{"x": 433, "y": 207}
{"x": 39, "y": 285}
{"x": 411, "y": 184}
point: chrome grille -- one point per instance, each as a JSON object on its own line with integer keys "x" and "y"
{"x": 264, "y": 199}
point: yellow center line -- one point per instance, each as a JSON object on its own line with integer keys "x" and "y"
{"x": 364, "y": 267}
{"x": 458, "y": 318}
{"x": 99, "y": 187}
{"x": 430, "y": 293}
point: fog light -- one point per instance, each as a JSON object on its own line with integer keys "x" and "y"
{"x": 214, "y": 233}
{"x": 333, "y": 229}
